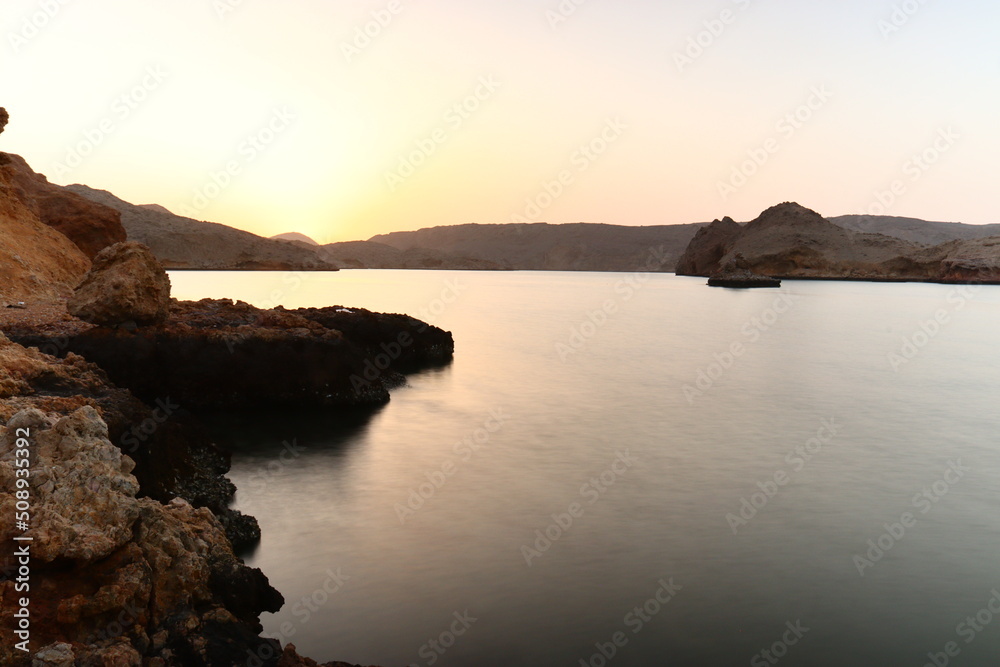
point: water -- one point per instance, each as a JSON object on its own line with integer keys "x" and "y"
{"x": 813, "y": 369}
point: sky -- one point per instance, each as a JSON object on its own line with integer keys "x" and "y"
{"x": 342, "y": 120}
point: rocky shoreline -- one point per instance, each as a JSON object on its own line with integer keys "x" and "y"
{"x": 137, "y": 517}
{"x": 133, "y": 550}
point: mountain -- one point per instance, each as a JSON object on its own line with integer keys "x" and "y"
{"x": 546, "y": 247}
{"x": 295, "y": 236}
{"x": 183, "y": 243}
{"x": 791, "y": 241}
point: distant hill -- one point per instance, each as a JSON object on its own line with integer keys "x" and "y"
{"x": 295, "y": 236}
{"x": 547, "y": 247}
{"x": 915, "y": 230}
{"x": 372, "y": 255}
{"x": 183, "y": 243}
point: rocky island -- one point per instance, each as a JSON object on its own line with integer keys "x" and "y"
{"x": 791, "y": 241}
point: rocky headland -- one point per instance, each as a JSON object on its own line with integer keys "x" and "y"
{"x": 134, "y": 549}
{"x": 791, "y": 241}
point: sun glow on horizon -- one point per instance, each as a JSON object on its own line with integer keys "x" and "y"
{"x": 342, "y": 122}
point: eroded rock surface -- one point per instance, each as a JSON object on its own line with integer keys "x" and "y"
{"x": 125, "y": 285}
{"x": 173, "y": 455}
{"x": 117, "y": 579}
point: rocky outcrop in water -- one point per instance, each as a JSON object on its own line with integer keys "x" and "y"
{"x": 791, "y": 241}
{"x": 225, "y": 354}
{"x": 125, "y": 286}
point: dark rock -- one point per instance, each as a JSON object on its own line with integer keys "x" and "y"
{"x": 221, "y": 354}
{"x": 709, "y": 245}
{"x": 737, "y": 273}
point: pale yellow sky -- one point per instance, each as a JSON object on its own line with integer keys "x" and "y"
{"x": 289, "y": 117}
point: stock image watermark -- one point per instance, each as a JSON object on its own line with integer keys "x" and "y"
{"x": 635, "y": 620}
{"x": 436, "y": 647}
{"x": 122, "y": 108}
{"x": 703, "y": 40}
{"x": 914, "y": 168}
{"x": 779, "y": 649}
{"x": 454, "y": 118}
{"x": 931, "y": 327}
{"x": 141, "y": 432}
{"x": 591, "y": 491}
{"x": 303, "y": 610}
{"x": 582, "y": 158}
{"x": 33, "y": 24}
{"x": 22, "y": 542}
{"x": 785, "y": 129}
{"x": 258, "y": 481}
{"x": 247, "y": 152}
{"x": 968, "y": 629}
{"x": 365, "y": 34}
{"x": 923, "y": 502}
{"x": 464, "y": 450}
{"x": 625, "y": 289}
{"x": 752, "y": 331}
{"x": 225, "y": 7}
{"x": 902, "y": 13}
{"x": 562, "y": 12}
{"x": 796, "y": 460}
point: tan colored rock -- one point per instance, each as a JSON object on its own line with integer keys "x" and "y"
{"x": 89, "y": 225}
{"x": 110, "y": 571}
{"x": 83, "y": 497}
{"x": 36, "y": 261}
{"x": 126, "y": 284}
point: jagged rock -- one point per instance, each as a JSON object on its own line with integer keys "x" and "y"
{"x": 89, "y": 225}
{"x": 83, "y": 504}
{"x": 173, "y": 456}
{"x": 126, "y": 284}
{"x": 709, "y": 245}
{"x": 4, "y": 118}
{"x": 118, "y": 578}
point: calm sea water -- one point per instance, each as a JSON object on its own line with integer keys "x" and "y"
{"x": 641, "y": 470}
